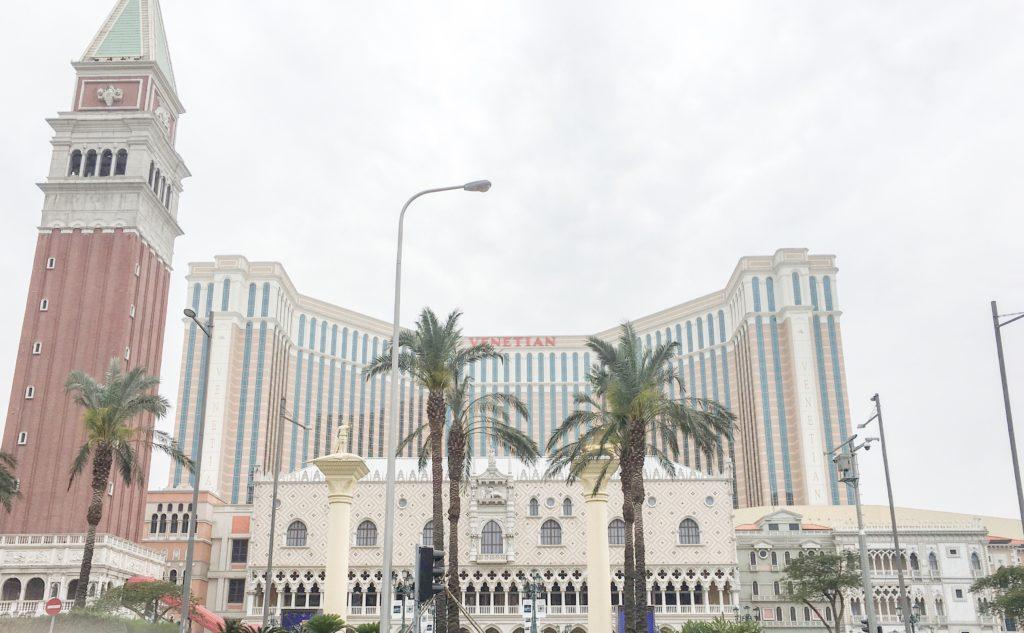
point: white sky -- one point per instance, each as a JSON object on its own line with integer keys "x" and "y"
{"x": 635, "y": 154}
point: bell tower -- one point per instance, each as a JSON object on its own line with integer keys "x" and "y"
{"x": 102, "y": 265}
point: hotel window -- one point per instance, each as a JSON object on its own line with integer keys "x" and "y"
{"x": 567, "y": 507}
{"x": 30, "y": 392}
{"x": 773, "y": 527}
{"x": 958, "y": 594}
{"x": 492, "y": 541}
{"x": 296, "y": 534}
{"x": 617, "y": 532}
{"x": 236, "y": 590}
{"x": 534, "y": 507}
{"x": 22, "y": 438}
{"x": 240, "y": 550}
{"x": 44, "y": 305}
{"x": 37, "y": 348}
{"x": 51, "y": 263}
{"x": 366, "y": 534}
{"x": 551, "y": 533}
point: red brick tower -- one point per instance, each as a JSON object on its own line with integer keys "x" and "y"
{"x": 102, "y": 265}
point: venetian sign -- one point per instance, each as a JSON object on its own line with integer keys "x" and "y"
{"x": 514, "y": 341}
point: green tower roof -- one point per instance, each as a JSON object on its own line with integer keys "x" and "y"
{"x": 134, "y": 30}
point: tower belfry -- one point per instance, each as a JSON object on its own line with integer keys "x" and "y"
{"x": 102, "y": 264}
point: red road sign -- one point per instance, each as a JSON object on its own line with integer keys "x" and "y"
{"x": 53, "y": 606}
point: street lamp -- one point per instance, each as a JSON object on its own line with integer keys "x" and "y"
{"x": 997, "y": 326}
{"x": 268, "y": 574}
{"x": 531, "y": 586}
{"x": 186, "y": 589}
{"x": 389, "y": 496}
{"x": 904, "y": 599}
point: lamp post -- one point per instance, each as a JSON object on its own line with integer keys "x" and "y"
{"x": 389, "y": 496}
{"x": 186, "y": 589}
{"x": 997, "y": 326}
{"x": 531, "y": 585}
{"x": 904, "y": 599}
{"x": 268, "y": 575}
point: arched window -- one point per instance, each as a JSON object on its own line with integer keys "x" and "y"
{"x": 567, "y": 507}
{"x": 151, "y": 168}
{"x": 753, "y": 558}
{"x": 173, "y": 577}
{"x": 121, "y": 164}
{"x": 754, "y": 589}
{"x": 550, "y": 533}
{"x": 915, "y": 564}
{"x": 617, "y": 532}
{"x": 786, "y": 557}
{"x": 975, "y": 562}
{"x": 777, "y": 588}
{"x": 11, "y": 590}
{"x": 792, "y": 614}
{"x": 428, "y": 534}
{"x": 153, "y": 523}
{"x": 174, "y": 524}
{"x": 775, "y": 558}
{"x": 72, "y": 589}
{"x": 366, "y": 534}
{"x": 106, "y": 161}
{"x": 491, "y": 540}
{"x": 933, "y": 562}
{"x": 534, "y": 507}
{"x": 689, "y": 532}
{"x": 163, "y": 523}
{"x": 828, "y": 613}
{"x": 296, "y": 534}
{"x": 156, "y": 180}
{"x": 184, "y": 524}
{"x": 75, "y": 165}
{"x": 90, "y": 163}
{"x": 778, "y": 614}
{"x": 807, "y": 614}
{"x": 35, "y": 589}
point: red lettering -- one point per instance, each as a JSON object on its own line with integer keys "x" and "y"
{"x": 505, "y": 342}
{"x": 550, "y": 340}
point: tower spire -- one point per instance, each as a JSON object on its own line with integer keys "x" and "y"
{"x": 134, "y": 31}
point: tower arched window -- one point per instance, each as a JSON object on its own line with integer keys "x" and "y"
{"x": 775, "y": 558}
{"x": 121, "y": 164}
{"x": 174, "y": 524}
{"x": 567, "y": 507}
{"x": 933, "y": 562}
{"x": 163, "y": 523}
{"x": 296, "y": 534}
{"x": 163, "y": 185}
{"x": 152, "y": 167}
{"x": 90, "y": 163}
{"x": 366, "y": 534}
{"x": 156, "y": 180}
{"x": 617, "y": 532}
{"x": 184, "y": 524}
{"x": 153, "y": 520}
{"x": 534, "y": 507}
{"x": 550, "y": 533}
{"x": 491, "y": 539}
{"x": 689, "y": 532}
{"x": 428, "y": 534}
{"x": 106, "y": 162}
{"x": 75, "y": 164}
{"x": 173, "y": 576}
{"x": 975, "y": 562}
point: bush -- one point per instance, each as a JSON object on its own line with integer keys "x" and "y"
{"x": 85, "y": 622}
{"x": 721, "y": 625}
{"x": 324, "y": 623}
{"x": 369, "y": 627}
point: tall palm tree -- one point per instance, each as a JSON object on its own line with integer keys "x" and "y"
{"x": 488, "y": 417}
{"x": 111, "y": 441}
{"x": 630, "y": 409}
{"x": 433, "y": 355}
{"x": 8, "y": 484}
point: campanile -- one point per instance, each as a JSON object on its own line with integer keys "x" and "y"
{"x": 101, "y": 270}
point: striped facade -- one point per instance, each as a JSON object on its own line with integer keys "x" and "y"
{"x": 767, "y": 346}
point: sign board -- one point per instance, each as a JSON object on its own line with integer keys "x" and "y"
{"x": 53, "y": 606}
{"x": 396, "y": 607}
{"x": 527, "y": 610}
{"x": 621, "y": 619}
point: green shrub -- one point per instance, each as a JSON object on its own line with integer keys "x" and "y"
{"x": 369, "y": 627}
{"x": 85, "y": 622}
{"x": 323, "y": 623}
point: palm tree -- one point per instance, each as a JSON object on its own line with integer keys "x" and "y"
{"x": 112, "y": 441}
{"x": 629, "y": 410}
{"x": 433, "y": 355}
{"x": 8, "y": 483}
{"x": 487, "y": 416}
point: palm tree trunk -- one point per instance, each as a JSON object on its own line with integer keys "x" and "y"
{"x": 628, "y": 563}
{"x": 456, "y": 459}
{"x": 100, "y": 473}
{"x": 435, "y": 418}
{"x": 639, "y": 551}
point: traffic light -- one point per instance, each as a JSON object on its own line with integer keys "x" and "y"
{"x": 429, "y": 573}
{"x": 864, "y": 625}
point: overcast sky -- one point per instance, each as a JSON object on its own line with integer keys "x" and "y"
{"x": 635, "y": 154}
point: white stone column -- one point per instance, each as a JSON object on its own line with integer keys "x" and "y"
{"x": 342, "y": 471}
{"x": 599, "y": 576}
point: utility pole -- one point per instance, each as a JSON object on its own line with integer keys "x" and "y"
{"x": 908, "y": 623}
{"x": 846, "y": 462}
{"x": 996, "y": 325}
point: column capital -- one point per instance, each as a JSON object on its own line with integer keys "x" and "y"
{"x": 341, "y": 471}
{"x": 595, "y": 477}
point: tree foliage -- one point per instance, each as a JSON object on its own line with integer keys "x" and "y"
{"x": 323, "y": 623}
{"x": 144, "y": 599}
{"x": 8, "y": 483}
{"x": 823, "y": 578}
{"x": 1005, "y": 592}
{"x": 721, "y": 625}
